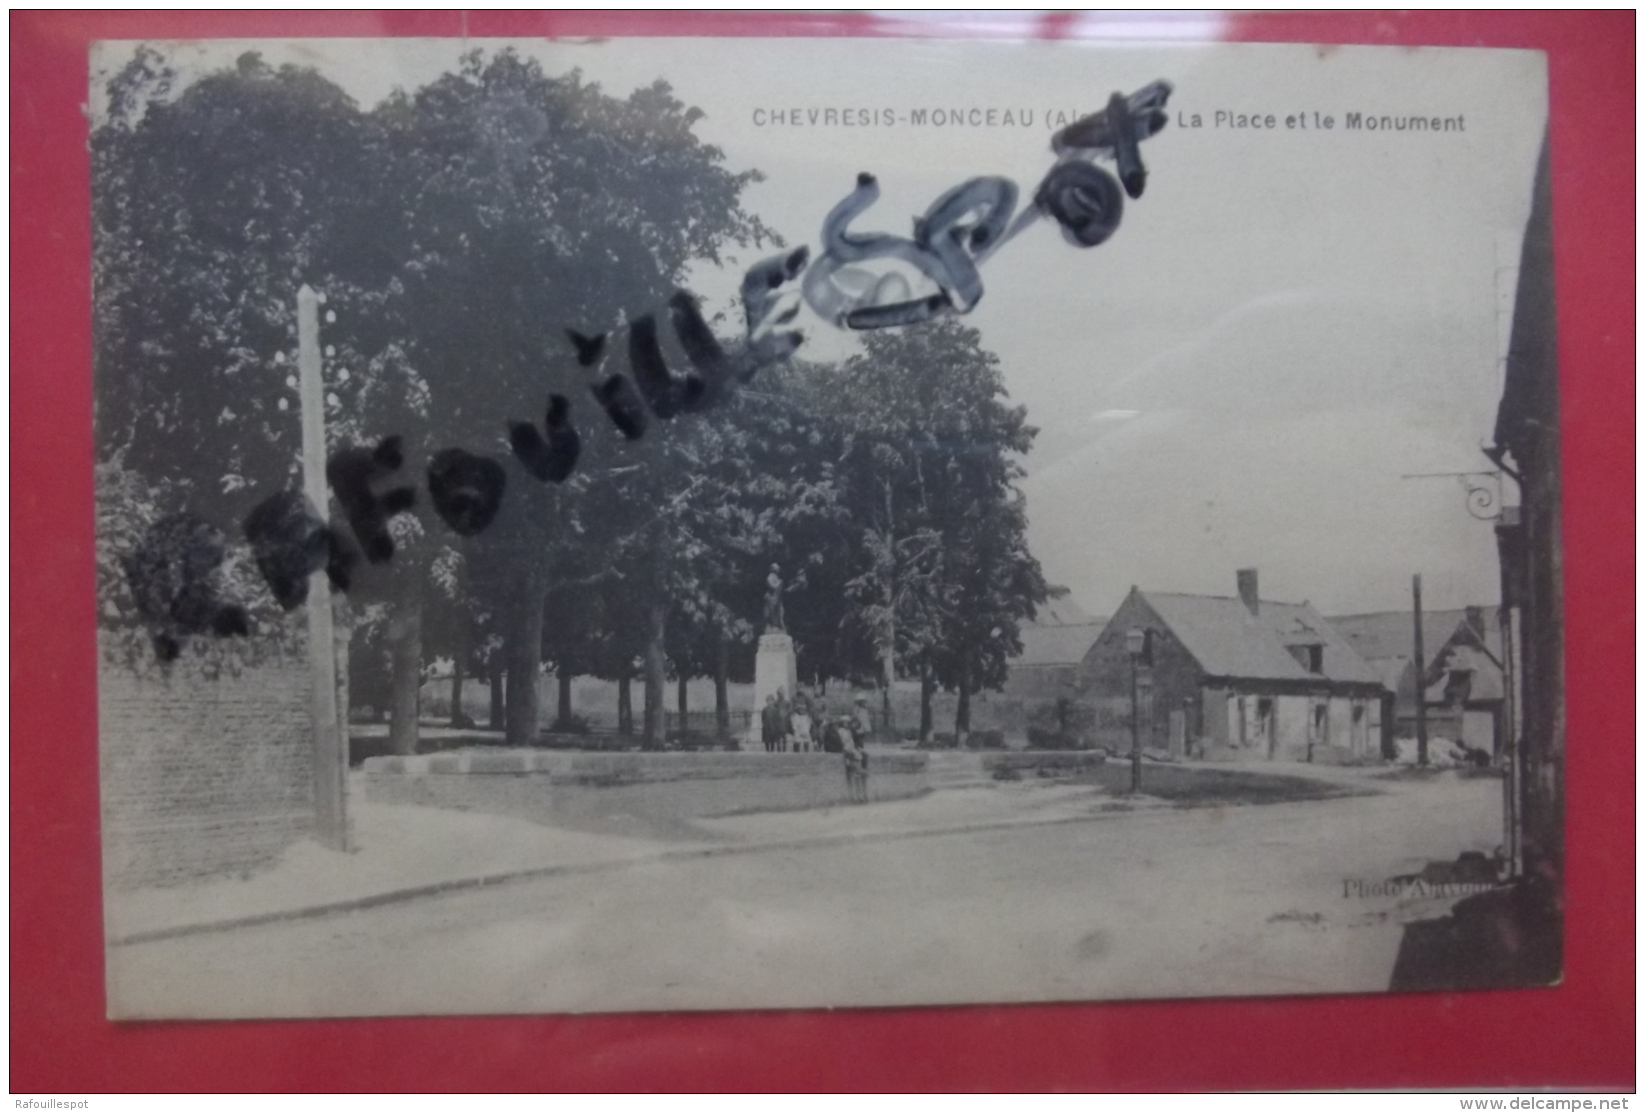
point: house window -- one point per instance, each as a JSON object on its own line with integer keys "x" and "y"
{"x": 1310, "y": 657}
{"x": 1458, "y": 685}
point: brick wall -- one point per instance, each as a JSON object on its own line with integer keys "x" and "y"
{"x": 206, "y": 765}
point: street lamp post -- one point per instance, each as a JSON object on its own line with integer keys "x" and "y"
{"x": 1136, "y": 644}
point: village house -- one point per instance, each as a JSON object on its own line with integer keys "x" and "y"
{"x": 1527, "y": 450}
{"x": 1240, "y": 678}
{"x": 1054, "y": 644}
{"x": 1462, "y": 678}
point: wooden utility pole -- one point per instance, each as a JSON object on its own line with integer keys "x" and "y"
{"x": 330, "y": 814}
{"x": 1421, "y": 666}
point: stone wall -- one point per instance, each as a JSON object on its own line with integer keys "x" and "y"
{"x": 571, "y": 788}
{"x": 206, "y": 764}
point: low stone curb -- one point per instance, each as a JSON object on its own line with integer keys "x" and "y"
{"x": 629, "y": 766}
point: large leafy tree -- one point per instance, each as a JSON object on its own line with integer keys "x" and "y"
{"x": 456, "y": 232}
{"x": 210, "y": 209}
{"x": 759, "y": 479}
{"x": 933, "y": 456}
{"x": 991, "y": 589}
{"x": 539, "y": 202}
{"x": 806, "y": 450}
{"x": 213, "y": 205}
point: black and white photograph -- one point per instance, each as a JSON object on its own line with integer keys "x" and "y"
{"x": 613, "y": 525}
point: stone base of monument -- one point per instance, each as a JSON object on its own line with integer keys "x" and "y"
{"x": 774, "y": 670}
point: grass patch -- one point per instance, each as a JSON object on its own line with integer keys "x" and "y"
{"x": 1196, "y": 786}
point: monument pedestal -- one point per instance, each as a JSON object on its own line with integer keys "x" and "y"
{"x": 774, "y": 669}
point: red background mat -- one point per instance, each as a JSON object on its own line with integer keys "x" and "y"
{"x": 1579, "y": 1034}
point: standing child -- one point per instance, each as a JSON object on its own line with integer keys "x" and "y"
{"x": 784, "y": 712}
{"x": 859, "y": 758}
{"x": 800, "y": 728}
{"x": 862, "y": 723}
{"x": 770, "y": 727}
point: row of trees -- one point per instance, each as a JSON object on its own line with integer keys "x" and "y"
{"x": 456, "y": 232}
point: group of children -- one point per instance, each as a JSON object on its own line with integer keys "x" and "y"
{"x": 786, "y": 727}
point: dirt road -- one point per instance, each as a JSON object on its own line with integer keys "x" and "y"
{"x": 1195, "y": 902}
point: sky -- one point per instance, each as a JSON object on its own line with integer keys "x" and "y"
{"x": 1287, "y": 323}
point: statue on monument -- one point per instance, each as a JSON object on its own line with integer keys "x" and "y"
{"x": 774, "y": 601}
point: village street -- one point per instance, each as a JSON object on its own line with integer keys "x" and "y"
{"x": 1176, "y": 902}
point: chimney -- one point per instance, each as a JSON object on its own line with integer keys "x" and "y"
{"x": 1247, "y": 578}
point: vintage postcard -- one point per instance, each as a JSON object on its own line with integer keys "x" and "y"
{"x": 641, "y": 524}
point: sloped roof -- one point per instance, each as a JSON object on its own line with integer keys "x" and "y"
{"x": 1389, "y": 634}
{"x": 1487, "y": 674}
{"x": 1492, "y": 637}
{"x": 1228, "y": 640}
{"x": 1059, "y": 634}
{"x": 1057, "y": 645}
{"x": 1059, "y": 609}
{"x": 1392, "y": 671}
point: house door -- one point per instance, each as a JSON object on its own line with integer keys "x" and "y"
{"x": 1266, "y": 735}
{"x": 1179, "y": 732}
